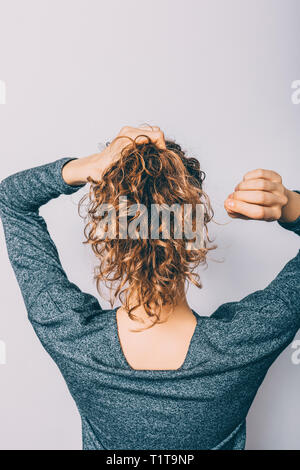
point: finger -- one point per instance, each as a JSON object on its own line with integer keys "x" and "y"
{"x": 265, "y": 174}
{"x": 157, "y": 137}
{"x": 233, "y": 215}
{"x": 153, "y": 128}
{"x": 146, "y": 128}
{"x": 256, "y": 184}
{"x": 253, "y": 211}
{"x": 161, "y": 143}
{"x": 236, "y": 215}
{"x": 263, "y": 198}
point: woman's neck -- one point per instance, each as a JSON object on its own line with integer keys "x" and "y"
{"x": 169, "y": 314}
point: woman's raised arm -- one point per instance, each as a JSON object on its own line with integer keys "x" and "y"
{"x": 31, "y": 250}
{"x": 263, "y": 323}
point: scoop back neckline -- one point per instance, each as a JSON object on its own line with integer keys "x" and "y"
{"x": 153, "y": 372}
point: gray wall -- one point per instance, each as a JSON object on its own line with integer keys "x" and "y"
{"x": 214, "y": 74}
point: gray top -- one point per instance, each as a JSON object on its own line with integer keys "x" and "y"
{"x": 201, "y": 405}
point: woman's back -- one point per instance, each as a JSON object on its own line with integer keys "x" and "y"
{"x": 197, "y": 400}
{"x": 201, "y": 405}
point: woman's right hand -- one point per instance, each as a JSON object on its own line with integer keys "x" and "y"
{"x": 77, "y": 171}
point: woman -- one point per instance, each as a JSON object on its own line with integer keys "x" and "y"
{"x": 152, "y": 374}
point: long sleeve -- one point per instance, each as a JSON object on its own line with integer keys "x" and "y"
{"x": 45, "y": 287}
{"x": 263, "y": 323}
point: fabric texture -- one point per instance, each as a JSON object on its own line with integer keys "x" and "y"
{"x": 201, "y": 405}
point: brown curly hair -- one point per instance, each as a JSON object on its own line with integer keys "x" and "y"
{"x": 151, "y": 269}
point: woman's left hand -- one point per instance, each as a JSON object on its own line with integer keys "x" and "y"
{"x": 260, "y": 196}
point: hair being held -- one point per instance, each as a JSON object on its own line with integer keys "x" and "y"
{"x": 147, "y": 272}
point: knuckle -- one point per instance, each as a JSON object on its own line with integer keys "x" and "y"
{"x": 276, "y": 177}
{"x": 263, "y": 197}
{"x": 260, "y": 212}
{"x": 264, "y": 184}
{"x": 277, "y": 213}
{"x": 260, "y": 172}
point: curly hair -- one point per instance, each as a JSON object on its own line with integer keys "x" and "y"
{"x": 150, "y": 268}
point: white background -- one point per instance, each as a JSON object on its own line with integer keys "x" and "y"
{"x": 216, "y": 76}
